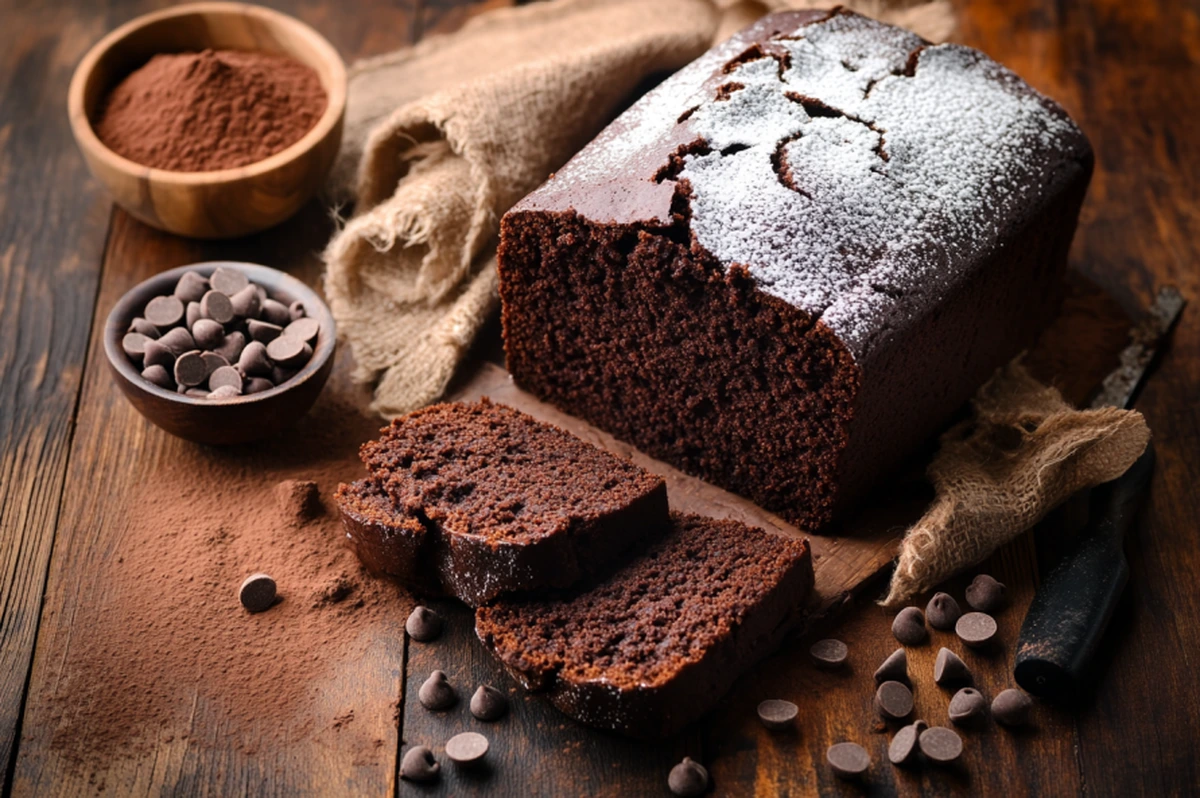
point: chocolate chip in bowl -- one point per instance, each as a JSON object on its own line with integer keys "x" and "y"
{"x": 196, "y": 381}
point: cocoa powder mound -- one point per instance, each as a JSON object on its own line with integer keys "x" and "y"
{"x": 217, "y": 109}
{"x": 164, "y": 638}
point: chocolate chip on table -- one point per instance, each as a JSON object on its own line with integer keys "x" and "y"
{"x": 829, "y": 654}
{"x": 224, "y": 392}
{"x": 143, "y": 327}
{"x": 275, "y": 313}
{"x": 208, "y": 334}
{"x": 976, "y": 629}
{"x": 688, "y": 779}
{"x": 231, "y": 350}
{"x": 289, "y": 351}
{"x": 134, "y": 346}
{"x": 423, "y": 624}
{"x": 909, "y": 626}
{"x": 191, "y": 287}
{"x": 190, "y": 369}
{"x": 225, "y": 376}
{"x": 228, "y": 281}
{"x": 257, "y": 593}
{"x": 155, "y": 354}
{"x": 1012, "y": 707}
{"x": 263, "y": 331}
{"x": 296, "y": 310}
{"x": 894, "y": 668}
{"x": 419, "y": 764}
{"x": 942, "y": 611}
{"x": 904, "y": 746}
{"x": 949, "y": 668}
{"x": 164, "y": 311}
{"x": 967, "y": 706}
{"x": 304, "y": 328}
{"x": 177, "y": 340}
{"x": 192, "y": 315}
{"x": 986, "y": 594}
{"x": 848, "y": 760}
{"x": 777, "y": 715}
{"x": 246, "y": 303}
{"x": 436, "y": 693}
{"x": 467, "y": 748}
{"x": 216, "y": 306}
{"x": 158, "y": 375}
{"x": 894, "y": 701}
{"x": 258, "y": 385}
{"x": 488, "y": 703}
{"x": 941, "y": 744}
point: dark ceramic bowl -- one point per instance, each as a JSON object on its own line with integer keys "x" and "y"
{"x": 223, "y": 421}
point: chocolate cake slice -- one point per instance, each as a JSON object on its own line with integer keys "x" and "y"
{"x": 477, "y": 500}
{"x": 787, "y": 266}
{"x": 656, "y": 644}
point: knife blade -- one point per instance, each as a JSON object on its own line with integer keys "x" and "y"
{"x": 1071, "y": 609}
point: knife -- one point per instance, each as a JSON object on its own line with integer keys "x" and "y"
{"x": 1072, "y": 607}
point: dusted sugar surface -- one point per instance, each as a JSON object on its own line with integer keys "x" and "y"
{"x": 661, "y": 638}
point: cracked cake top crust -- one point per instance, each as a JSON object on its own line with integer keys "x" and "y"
{"x": 853, "y": 169}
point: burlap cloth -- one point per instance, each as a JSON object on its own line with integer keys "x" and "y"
{"x": 442, "y": 138}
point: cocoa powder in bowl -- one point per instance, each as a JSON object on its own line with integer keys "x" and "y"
{"x": 216, "y": 109}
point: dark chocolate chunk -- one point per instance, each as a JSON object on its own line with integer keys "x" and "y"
{"x": 948, "y": 668}
{"x": 216, "y": 306}
{"x": 777, "y": 715}
{"x": 976, "y": 629}
{"x": 418, "y": 764}
{"x": 967, "y": 706}
{"x": 941, "y": 745}
{"x": 276, "y": 313}
{"x": 909, "y": 626}
{"x": 190, "y": 369}
{"x": 254, "y": 361}
{"x": 467, "y": 748}
{"x": 257, "y": 593}
{"x": 1012, "y": 707}
{"x": 228, "y": 281}
{"x": 905, "y": 746}
{"x": 848, "y": 760}
{"x": 894, "y": 668}
{"x": 224, "y": 392}
{"x": 423, "y": 625}
{"x": 258, "y": 385}
{"x": 158, "y": 375}
{"x": 164, "y": 312}
{"x": 246, "y": 303}
{"x": 894, "y": 701}
{"x": 178, "y": 340}
{"x": 134, "y": 345}
{"x": 192, "y": 315}
{"x": 986, "y": 594}
{"x": 263, "y": 331}
{"x": 488, "y": 703}
{"x": 289, "y": 351}
{"x": 225, "y": 376}
{"x": 155, "y": 354}
{"x": 143, "y": 327}
{"x": 191, "y": 287}
{"x": 829, "y": 654}
{"x": 304, "y": 329}
{"x": 436, "y": 693}
{"x": 231, "y": 350}
{"x": 208, "y": 333}
{"x": 942, "y": 611}
{"x": 296, "y": 310}
{"x": 688, "y": 779}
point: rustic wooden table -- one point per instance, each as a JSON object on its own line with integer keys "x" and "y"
{"x": 1129, "y": 72}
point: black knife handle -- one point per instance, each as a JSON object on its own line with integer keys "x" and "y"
{"x": 1071, "y": 609}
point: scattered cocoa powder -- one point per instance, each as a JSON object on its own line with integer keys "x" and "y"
{"x": 165, "y": 648}
{"x": 217, "y": 109}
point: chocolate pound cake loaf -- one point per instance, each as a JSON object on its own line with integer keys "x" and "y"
{"x": 477, "y": 500}
{"x": 785, "y": 268}
{"x": 655, "y": 646}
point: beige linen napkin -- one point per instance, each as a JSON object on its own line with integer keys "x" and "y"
{"x": 442, "y": 138}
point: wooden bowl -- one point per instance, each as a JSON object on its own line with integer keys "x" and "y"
{"x": 240, "y": 418}
{"x": 228, "y": 202}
